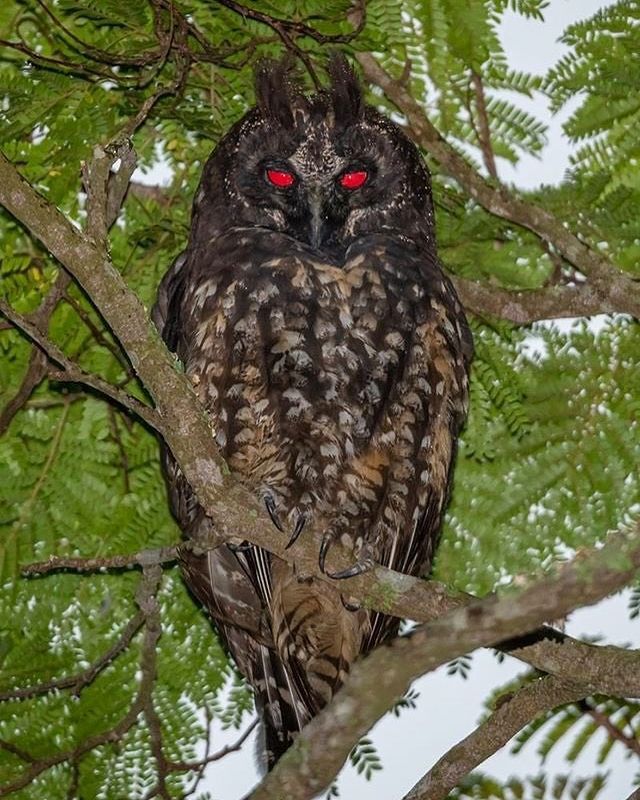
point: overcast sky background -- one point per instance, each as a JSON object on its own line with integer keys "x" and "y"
{"x": 449, "y": 708}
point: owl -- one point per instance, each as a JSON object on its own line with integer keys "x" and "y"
{"x": 332, "y": 355}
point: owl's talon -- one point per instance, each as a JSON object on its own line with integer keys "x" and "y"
{"x": 239, "y": 548}
{"x": 350, "y": 572}
{"x": 349, "y": 606}
{"x": 300, "y": 523}
{"x": 324, "y": 549}
{"x": 270, "y": 503}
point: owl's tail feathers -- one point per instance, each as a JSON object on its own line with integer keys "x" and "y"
{"x": 281, "y": 709}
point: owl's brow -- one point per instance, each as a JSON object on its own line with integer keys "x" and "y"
{"x": 316, "y": 154}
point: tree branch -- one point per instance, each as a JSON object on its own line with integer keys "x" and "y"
{"x": 322, "y": 746}
{"x": 510, "y": 716}
{"x": 72, "y": 373}
{"x": 613, "y": 731}
{"x": 526, "y": 306}
{"x": 144, "y": 558}
{"x": 484, "y": 131}
{"x": 36, "y": 370}
{"x": 188, "y": 766}
{"x": 601, "y": 669}
{"x": 616, "y": 291}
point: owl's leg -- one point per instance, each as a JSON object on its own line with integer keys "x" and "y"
{"x": 364, "y": 563}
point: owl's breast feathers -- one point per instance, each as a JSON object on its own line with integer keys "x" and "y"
{"x": 339, "y": 390}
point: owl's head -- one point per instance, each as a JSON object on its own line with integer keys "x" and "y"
{"x": 323, "y": 169}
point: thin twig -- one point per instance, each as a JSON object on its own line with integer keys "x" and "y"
{"x": 35, "y": 373}
{"x": 162, "y": 555}
{"x": 484, "y": 131}
{"x": 292, "y": 27}
{"x": 188, "y": 766}
{"x": 147, "y": 602}
{"x": 36, "y": 370}
{"x": 22, "y": 754}
{"x": 72, "y": 373}
{"x": 82, "y": 679}
{"x": 603, "y": 720}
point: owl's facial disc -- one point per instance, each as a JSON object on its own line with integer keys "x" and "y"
{"x": 312, "y": 192}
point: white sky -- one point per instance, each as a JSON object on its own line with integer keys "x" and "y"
{"x": 449, "y": 707}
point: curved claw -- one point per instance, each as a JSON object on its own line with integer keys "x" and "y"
{"x": 324, "y": 549}
{"x": 363, "y": 565}
{"x": 300, "y": 523}
{"x": 350, "y": 572}
{"x": 239, "y": 548}
{"x": 270, "y": 503}
{"x": 349, "y": 606}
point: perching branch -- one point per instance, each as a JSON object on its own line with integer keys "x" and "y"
{"x": 598, "y": 668}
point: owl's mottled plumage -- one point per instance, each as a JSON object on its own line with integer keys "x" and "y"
{"x": 332, "y": 355}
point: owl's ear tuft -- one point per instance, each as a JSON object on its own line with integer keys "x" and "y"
{"x": 345, "y": 91}
{"x": 276, "y": 91}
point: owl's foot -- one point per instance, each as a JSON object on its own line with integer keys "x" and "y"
{"x": 363, "y": 564}
{"x": 300, "y": 523}
{"x": 270, "y": 503}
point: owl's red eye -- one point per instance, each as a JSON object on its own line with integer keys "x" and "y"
{"x": 353, "y": 180}
{"x": 280, "y": 178}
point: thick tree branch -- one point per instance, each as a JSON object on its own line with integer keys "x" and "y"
{"x": 512, "y": 715}
{"x": 321, "y": 748}
{"x": 616, "y": 290}
{"x": 601, "y": 669}
{"x": 526, "y": 306}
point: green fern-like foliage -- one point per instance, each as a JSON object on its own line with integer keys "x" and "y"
{"x": 365, "y": 759}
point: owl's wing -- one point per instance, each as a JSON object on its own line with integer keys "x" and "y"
{"x": 166, "y": 310}
{"x": 427, "y": 405}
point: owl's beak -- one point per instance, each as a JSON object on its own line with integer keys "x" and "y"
{"x": 317, "y": 227}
